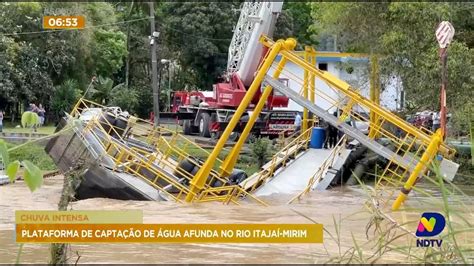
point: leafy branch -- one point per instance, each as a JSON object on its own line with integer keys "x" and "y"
{"x": 33, "y": 176}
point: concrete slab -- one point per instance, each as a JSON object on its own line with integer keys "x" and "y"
{"x": 295, "y": 177}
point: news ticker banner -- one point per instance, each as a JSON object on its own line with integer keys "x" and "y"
{"x": 128, "y": 227}
{"x": 79, "y": 217}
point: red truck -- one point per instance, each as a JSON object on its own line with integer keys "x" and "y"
{"x": 208, "y": 112}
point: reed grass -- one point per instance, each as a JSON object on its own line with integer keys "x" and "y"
{"x": 389, "y": 240}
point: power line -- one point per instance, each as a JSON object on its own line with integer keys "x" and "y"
{"x": 196, "y": 36}
{"x": 112, "y": 24}
{"x": 178, "y": 44}
{"x": 59, "y": 30}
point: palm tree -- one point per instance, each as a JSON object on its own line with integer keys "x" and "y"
{"x": 65, "y": 96}
{"x": 103, "y": 90}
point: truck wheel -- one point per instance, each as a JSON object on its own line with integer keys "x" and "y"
{"x": 215, "y": 135}
{"x": 187, "y": 127}
{"x": 204, "y": 123}
{"x": 234, "y": 136}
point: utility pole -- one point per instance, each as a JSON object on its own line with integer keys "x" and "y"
{"x": 444, "y": 35}
{"x": 168, "y": 97}
{"x": 169, "y": 87}
{"x": 154, "y": 67}
{"x": 444, "y": 81}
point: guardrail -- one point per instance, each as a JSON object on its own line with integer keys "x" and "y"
{"x": 278, "y": 160}
{"x": 407, "y": 143}
{"x": 226, "y": 194}
{"x": 319, "y": 174}
{"x": 153, "y": 154}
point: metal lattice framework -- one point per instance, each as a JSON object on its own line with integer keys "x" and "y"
{"x": 408, "y": 150}
{"x": 242, "y": 33}
{"x": 149, "y": 154}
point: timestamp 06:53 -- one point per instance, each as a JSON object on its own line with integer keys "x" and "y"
{"x": 64, "y": 22}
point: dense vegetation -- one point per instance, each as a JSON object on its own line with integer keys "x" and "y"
{"x": 56, "y": 67}
{"x": 404, "y": 35}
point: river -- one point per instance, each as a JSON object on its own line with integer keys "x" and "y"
{"x": 344, "y": 205}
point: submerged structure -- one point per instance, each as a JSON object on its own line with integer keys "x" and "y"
{"x": 128, "y": 158}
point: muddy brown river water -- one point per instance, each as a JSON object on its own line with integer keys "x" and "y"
{"x": 344, "y": 205}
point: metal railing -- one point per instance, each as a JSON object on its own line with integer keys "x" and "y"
{"x": 226, "y": 194}
{"x": 152, "y": 154}
{"x": 407, "y": 144}
{"x": 280, "y": 159}
{"x": 322, "y": 170}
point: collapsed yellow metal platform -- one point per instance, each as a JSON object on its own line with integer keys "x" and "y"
{"x": 130, "y": 148}
{"x": 151, "y": 154}
{"x": 410, "y": 150}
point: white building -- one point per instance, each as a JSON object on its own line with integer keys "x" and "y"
{"x": 353, "y": 70}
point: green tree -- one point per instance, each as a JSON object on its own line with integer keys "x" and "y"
{"x": 103, "y": 89}
{"x": 464, "y": 23}
{"x": 8, "y": 54}
{"x": 296, "y": 21}
{"x": 125, "y": 98}
{"x": 31, "y": 75}
{"x": 64, "y": 97}
{"x": 20, "y": 17}
{"x": 284, "y": 26}
{"x": 403, "y": 34}
{"x": 145, "y": 101}
{"x": 109, "y": 50}
{"x": 33, "y": 61}
{"x": 135, "y": 73}
{"x": 199, "y": 34}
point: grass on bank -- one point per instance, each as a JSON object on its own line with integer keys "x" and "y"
{"x": 34, "y": 153}
{"x": 12, "y": 128}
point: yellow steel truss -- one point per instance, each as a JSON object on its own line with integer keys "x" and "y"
{"x": 374, "y": 91}
{"x": 198, "y": 181}
{"x": 279, "y": 159}
{"x": 158, "y": 163}
{"x": 408, "y": 141}
{"x": 229, "y": 162}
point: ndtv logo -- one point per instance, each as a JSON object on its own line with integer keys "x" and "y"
{"x": 431, "y": 224}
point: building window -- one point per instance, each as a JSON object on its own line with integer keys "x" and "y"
{"x": 323, "y": 66}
